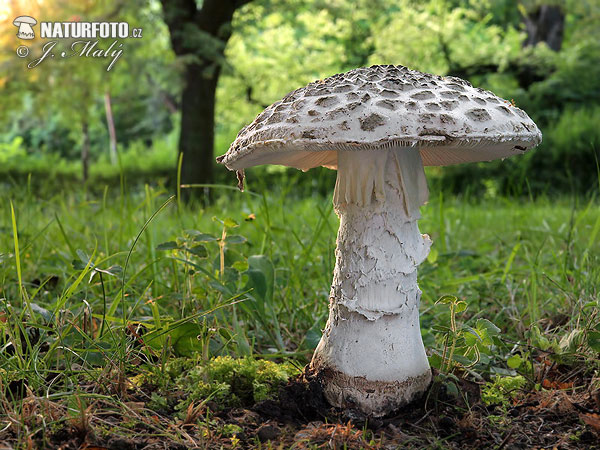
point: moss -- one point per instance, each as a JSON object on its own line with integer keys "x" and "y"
{"x": 231, "y": 382}
{"x": 231, "y": 430}
{"x": 502, "y": 390}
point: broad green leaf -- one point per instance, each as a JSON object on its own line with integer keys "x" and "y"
{"x": 433, "y": 256}
{"x": 185, "y": 340}
{"x": 435, "y": 361}
{"x": 240, "y": 266}
{"x": 230, "y": 223}
{"x": 484, "y": 324}
{"x": 446, "y": 300}
{"x": 472, "y": 336}
{"x": 203, "y": 237}
{"x": 460, "y": 307}
{"x": 452, "y": 389}
{"x": 312, "y": 337}
{"x": 170, "y": 245}
{"x": 198, "y": 250}
{"x": 261, "y": 276}
{"x": 235, "y": 239}
{"x": 514, "y": 362}
{"x": 593, "y": 339}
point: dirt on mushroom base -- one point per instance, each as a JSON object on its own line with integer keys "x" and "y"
{"x": 566, "y": 418}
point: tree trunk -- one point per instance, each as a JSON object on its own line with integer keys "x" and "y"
{"x": 210, "y": 27}
{"x": 198, "y": 123}
{"x": 545, "y": 24}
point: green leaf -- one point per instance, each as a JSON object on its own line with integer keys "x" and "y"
{"x": 593, "y": 339}
{"x": 78, "y": 265}
{"x": 185, "y": 339}
{"x": 170, "y": 245}
{"x": 452, "y": 389}
{"x": 83, "y": 257}
{"x": 225, "y": 334}
{"x": 230, "y": 278}
{"x": 446, "y": 300}
{"x": 472, "y": 336}
{"x": 47, "y": 315}
{"x": 230, "y": 223}
{"x": 435, "y": 361}
{"x": 313, "y": 336}
{"x": 240, "y": 266}
{"x": 514, "y": 362}
{"x": 261, "y": 277}
{"x": 460, "y": 306}
{"x": 203, "y": 237}
{"x": 198, "y": 250}
{"x": 235, "y": 239}
{"x": 489, "y": 327}
{"x": 433, "y": 256}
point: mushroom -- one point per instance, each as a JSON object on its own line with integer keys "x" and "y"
{"x": 24, "y": 23}
{"x": 378, "y": 127}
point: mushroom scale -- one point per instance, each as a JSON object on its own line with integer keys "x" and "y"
{"x": 378, "y": 127}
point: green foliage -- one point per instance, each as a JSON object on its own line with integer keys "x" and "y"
{"x": 463, "y": 345}
{"x": 12, "y": 152}
{"x": 279, "y": 46}
{"x": 265, "y": 58}
{"x": 501, "y": 390}
{"x": 248, "y": 277}
{"x": 49, "y": 104}
{"x": 231, "y": 429}
{"x": 448, "y": 36}
{"x": 563, "y": 99}
{"x": 572, "y": 145}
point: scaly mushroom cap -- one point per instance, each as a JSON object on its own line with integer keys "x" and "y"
{"x": 381, "y": 106}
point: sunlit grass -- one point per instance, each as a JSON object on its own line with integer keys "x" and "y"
{"x": 250, "y": 275}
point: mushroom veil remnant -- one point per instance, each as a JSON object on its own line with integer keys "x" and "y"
{"x": 25, "y": 30}
{"x": 378, "y": 127}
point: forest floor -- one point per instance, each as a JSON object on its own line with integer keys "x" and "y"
{"x": 565, "y": 415}
{"x": 131, "y": 321}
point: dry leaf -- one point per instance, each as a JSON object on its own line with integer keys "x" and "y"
{"x": 592, "y": 419}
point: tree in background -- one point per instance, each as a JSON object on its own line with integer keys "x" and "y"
{"x": 199, "y": 37}
{"x": 56, "y": 112}
{"x": 542, "y": 53}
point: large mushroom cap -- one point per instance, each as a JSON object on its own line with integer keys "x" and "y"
{"x": 448, "y": 119}
{"x": 24, "y": 19}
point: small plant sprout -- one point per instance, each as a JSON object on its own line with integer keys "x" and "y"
{"x": 378, "y": 127}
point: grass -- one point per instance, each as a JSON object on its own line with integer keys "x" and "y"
{"x": 107, "y": 301}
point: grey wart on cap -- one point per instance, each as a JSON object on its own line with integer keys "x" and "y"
{"x": 378, "y": 127}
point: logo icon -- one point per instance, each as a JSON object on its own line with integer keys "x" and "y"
{"x": 25, "y": 23}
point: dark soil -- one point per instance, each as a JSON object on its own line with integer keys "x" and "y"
{"x": 565, "y": 417}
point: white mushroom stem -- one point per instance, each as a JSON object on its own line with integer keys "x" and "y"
{"x": 371, "y": 356}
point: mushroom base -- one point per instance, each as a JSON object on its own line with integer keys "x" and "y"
{"x": 371, "y": 356}
{"x": 386, "y": 355}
